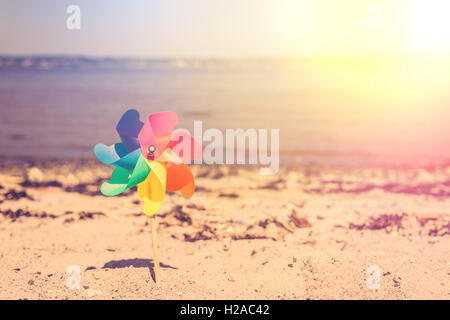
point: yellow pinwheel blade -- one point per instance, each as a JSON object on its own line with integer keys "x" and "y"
{"x": 152, "y": 189}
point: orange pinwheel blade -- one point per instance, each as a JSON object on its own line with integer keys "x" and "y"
{"x": 180, "y": 178}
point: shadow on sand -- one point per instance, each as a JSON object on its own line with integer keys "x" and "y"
{"x": 137, "y": 263}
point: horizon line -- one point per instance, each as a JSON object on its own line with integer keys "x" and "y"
{"x": 129, "y": 57}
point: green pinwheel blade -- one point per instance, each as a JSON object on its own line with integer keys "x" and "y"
{"x": 140, "y": 172}
{"x": 122, "y": 179}
{"x": 117, "y": 184}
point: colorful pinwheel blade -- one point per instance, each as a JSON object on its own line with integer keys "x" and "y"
{"x": 157, "y": 131}
{"x": 153, "y": 189}
{"x": 128, "y": 128}
{"x": 185, "y": 146}
{"x": 180, "y": 178}
{"x": 117, "y": 184}
{"x": 117, "y": 155}
{"x": 123, "y": 179}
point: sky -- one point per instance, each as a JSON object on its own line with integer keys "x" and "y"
{"x": 231, "y": 28}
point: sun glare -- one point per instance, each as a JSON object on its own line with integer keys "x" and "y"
{"x": 429, "y": 25}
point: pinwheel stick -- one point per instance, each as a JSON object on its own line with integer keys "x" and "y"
{"x": 153, "y": 222}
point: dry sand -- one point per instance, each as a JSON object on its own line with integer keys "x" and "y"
{"x": 308, "y": 233}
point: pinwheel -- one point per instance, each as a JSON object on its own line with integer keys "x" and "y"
{"x": 153, "y": 157}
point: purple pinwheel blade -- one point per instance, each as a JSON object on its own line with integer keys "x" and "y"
{"x": 128, "y": 129}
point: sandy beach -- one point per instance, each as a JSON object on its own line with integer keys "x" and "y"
{"x": 344, "y": 105}
{"x": 306, "y": 233}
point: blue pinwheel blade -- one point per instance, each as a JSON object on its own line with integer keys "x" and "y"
{"x": 128, "y": 128}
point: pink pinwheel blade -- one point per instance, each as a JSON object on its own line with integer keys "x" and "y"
{"x": 163, "y": 122}
{"x": 157, "y": 131}
{"x": 185, "y": 146}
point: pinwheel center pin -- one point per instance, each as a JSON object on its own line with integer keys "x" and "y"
{"x": 151, "y": 150}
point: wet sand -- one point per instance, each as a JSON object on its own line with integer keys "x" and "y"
{"x": 305, "y": 233}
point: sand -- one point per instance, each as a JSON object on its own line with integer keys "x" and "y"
{"x": 305, "y": 233}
